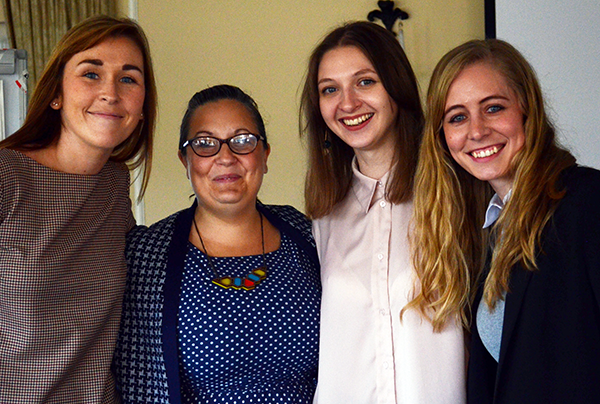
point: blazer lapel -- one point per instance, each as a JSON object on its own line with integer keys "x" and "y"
{"x": 172, "y": 287}
{"x": 518, "y": 285}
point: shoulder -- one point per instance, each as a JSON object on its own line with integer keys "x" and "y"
{"x": 159, "y": 232}
{"x": 119, "y": 171}
{"x": 12, "y": 160}
{"x": 577, "y": 177}
{"x": 582, "y": 186}
{"x": 295, "y": 224}
{"x": 577, "y": 211}
{"x": 16, "y": 171}
{"x": 291, "y": 216}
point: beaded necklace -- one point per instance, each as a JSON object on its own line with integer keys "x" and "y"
{"x": 251, "y": 280}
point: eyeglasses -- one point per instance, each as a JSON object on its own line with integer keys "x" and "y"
{"x": 208, "y": 146}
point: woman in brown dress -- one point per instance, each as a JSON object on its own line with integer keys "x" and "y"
{"x": 65, "y": 211}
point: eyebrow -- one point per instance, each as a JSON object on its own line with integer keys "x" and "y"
{"x": 98, "y": 62}
{"x": 486, "y": 99}
{"x": 358, "y": 73}
{"x": 239, "y": 131}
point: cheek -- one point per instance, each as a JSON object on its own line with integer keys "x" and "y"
{"x": 452, "y": 140}
{"x": 519, "y": 135}
{"x": 140, "y": 98}
{"x": 198, "y": 170}
{"x": 327, "y": 110}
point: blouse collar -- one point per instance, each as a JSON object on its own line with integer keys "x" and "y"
{"x": 367, "y": 190}
{"x": 495, "y": 208}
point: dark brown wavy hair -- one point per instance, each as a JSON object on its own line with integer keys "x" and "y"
{"x": 329, "y": 174}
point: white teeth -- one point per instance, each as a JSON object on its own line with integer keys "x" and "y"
{"x": 485, "y": 153}
{"x": 356, "y": 121}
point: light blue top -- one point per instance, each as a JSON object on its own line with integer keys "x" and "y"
{"x": 491, "y": 321}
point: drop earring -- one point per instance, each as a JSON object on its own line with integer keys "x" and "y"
{"x": 326, "y": 144}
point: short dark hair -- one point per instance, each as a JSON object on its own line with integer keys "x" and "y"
{"x": 329, "y": 174}
{"x": 217, "y": 93}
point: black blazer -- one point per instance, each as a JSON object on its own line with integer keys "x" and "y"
{"x": 550, "y": 350}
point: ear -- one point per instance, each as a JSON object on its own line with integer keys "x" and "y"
{"x": 267, "y": 152}
{"x": 56, "y": 103}
{"x": 184, "y": 161}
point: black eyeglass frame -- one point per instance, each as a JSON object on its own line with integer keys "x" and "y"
{"x": 222, "y": 142}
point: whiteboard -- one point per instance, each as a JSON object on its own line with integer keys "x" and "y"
{"x": 561, "y": 40}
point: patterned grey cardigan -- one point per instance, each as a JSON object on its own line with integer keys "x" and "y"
{"x": 146, "y": 358}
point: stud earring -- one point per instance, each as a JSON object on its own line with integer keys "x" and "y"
{"x": 142, "y": 115}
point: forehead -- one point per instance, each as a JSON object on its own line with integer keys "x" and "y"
{"x": 118, "y": 50}
{"x": 343, "y": 60}
{"x": 222, "y": 118}
{"x": 478, "y": 80}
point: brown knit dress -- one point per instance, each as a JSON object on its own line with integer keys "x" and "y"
{"x": 62, "y": 276}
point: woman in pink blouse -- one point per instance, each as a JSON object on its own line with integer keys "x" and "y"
{"x": 362, "y": 118}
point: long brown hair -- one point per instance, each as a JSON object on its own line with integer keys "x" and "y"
{"x": 42, "y": 124}
{"x": 450, "y": 244}
{"x": 329, "y": 174}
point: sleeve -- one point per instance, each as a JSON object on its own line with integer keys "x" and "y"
{"x": 591, "y": 233}
{"x": 579, "y": 214}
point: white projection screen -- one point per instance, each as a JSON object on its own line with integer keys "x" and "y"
{"x": 561, "y": 39}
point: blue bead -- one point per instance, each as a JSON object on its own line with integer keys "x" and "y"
{"x": 237, "y": 281}
{"x": 253, "y": 277}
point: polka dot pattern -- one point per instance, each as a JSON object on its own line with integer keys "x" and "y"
{"x": 271, "y": 330}
{"x": 239, "y": 346}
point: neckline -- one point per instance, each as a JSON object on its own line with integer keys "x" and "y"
{"x": 34, "y": 163}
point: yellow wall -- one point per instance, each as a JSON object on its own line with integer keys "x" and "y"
{"x": 263, "y": 47}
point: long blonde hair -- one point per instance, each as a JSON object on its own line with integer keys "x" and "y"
{"x": 450, "y": 246}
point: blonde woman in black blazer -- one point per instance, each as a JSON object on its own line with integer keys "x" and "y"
{"x": 522, "y": 269}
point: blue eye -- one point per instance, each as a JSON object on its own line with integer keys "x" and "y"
{"x": 366, "y": 82}
{"x": 328, "y": 90}
{"x": 91, "y": 75}
{"x": 457, "y": 118}
{"x": 128, "y": 80}
{"x": 495, "y": 108}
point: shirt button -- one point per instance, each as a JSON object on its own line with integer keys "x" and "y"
{"x": 386, "y": 365}
{"x": 380, "y": 256}
{"x": 383, "y": 312}
{"x": 382, "y": 204}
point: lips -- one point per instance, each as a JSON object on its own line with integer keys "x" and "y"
{"x": 485, "y": 152}
{"x": 226, "y": 178}
{"x": 109, "y": 115}
{"x": 357, "y": 120}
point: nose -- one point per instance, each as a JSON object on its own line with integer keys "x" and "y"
{"x": 225, "y": 156}
{"x": 110, "y": 92}
{"x": 350, "y": 100}
{"x": 478, "y": 128}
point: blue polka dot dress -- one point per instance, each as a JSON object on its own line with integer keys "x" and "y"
{"x": 256, "y": 346}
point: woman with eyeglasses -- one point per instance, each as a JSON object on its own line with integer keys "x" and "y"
{"x": 222, "y": 303}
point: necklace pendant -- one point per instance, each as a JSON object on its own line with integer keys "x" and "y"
{"x": 225, "y": 282}
{"x": 254, "y": 278}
